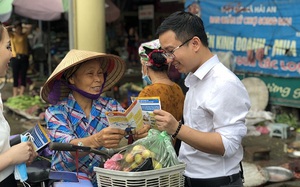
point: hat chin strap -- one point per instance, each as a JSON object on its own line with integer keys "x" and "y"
{"x": 86, "y": 94}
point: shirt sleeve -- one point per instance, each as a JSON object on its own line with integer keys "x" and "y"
{"x": 230, "y": 107}
{"x": 58, "y": 127}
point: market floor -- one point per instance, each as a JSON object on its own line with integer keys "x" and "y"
{"x": 277, "y": 157}
{"x": 276, "y": 145}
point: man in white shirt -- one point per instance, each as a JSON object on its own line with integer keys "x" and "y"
{"x": 215, "y": 107}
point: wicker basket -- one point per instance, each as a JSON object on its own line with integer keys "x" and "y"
{"x": 165, "y": 177}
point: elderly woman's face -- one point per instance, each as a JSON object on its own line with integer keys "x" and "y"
{"x": 89, "y": 77}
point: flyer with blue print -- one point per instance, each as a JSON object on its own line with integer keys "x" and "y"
{"x": 140, "y": 112}
{"x": 130, "y": 120}
{"x": 39, "y": 137}
{"x": 148, "y": 105}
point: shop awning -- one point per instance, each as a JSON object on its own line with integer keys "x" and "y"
{"x": 44, "y": 10}
{"x": 112, "y": 12}
{"x": 5, "y": 10}
{"x": 47, "y": 10}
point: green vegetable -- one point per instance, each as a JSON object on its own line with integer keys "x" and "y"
{"x": 289, "y": 119}
{"x": 24, "y": 102}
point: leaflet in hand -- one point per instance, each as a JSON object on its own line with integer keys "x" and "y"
{"x": 129, "y": 120}
{"x": 40, "y": 137}
{"x": 148, "y": 104}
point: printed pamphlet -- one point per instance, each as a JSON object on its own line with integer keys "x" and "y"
{"x": 131, "y": 119}
{"x": 40, "y": 137}
{"x": 148, "y": 104}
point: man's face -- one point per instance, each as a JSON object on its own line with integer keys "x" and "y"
{"x": 177, "y": 50}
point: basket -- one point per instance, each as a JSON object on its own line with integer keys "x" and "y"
{"x": 165, "y": 177}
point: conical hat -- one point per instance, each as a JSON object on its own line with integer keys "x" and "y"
{"x": 113, "y": 65}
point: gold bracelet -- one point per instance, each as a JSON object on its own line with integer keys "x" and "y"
{"x": 177, "y": 130}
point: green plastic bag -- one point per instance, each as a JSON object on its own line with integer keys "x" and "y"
{"x": 156, "y": 145}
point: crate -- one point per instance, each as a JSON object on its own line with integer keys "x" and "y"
{"x": 165, "y": 177}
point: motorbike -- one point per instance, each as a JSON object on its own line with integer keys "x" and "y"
{"x": 39, "y": 172}
{"x": 65, "y": 178}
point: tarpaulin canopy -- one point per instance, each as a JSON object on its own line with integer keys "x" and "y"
{"x": 45, "y": 10}
{"x": 5, "y": 10}
{"x": 112, "y": 12}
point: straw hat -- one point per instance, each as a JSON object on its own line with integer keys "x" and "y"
{"x": 113, "y": 65}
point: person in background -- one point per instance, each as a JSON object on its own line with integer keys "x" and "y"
{"x": 193, "y": 6}
{"x": 22, "y": 152}
{"x": 36, "y": 37}
{"x": 131, "y": 42}
{"x": 155, "y": 74}
{"x": 20, "y": 62}
{"x": 77, "y": 115}
{"x": 215, "y": 106}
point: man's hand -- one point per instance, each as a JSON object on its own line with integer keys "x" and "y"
{"x": 165, "y": 121}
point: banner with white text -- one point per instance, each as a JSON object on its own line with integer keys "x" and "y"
{"x": 264, "y": 35}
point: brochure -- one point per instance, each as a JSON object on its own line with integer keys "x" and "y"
{"x": 40, "y": 137}
{"x": 130, "y": 120}
{"x": 148, "y": 104}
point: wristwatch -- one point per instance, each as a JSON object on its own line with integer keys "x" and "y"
{"x": 80, "y": 144}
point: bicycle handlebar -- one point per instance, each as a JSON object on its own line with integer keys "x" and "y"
{"x": 67, "y": 147}
{"x": 70, "y": 147}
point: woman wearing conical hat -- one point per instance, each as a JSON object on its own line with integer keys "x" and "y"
{"x": 77, "y": 114}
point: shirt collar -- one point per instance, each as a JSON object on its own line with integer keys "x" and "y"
{"x": 73, "y": 105}
{"x": 201, "y": 71}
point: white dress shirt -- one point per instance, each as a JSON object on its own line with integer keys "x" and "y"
{"x": 216, "y": 101}
{"x": 4, "y": 141}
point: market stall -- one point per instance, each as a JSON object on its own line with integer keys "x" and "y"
{"x": 30, "y": 107}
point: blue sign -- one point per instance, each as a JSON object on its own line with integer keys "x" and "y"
{"x": 263, "y": 35}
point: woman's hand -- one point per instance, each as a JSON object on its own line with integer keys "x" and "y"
{"x": 22, "y": 152}
{"x": 108, "y": 137}
{"x": 141, "y": 133}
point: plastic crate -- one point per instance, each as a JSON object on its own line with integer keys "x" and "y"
{"x": 165, "y": 177}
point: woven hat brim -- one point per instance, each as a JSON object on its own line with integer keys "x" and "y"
{"x": 113, "y": 65}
